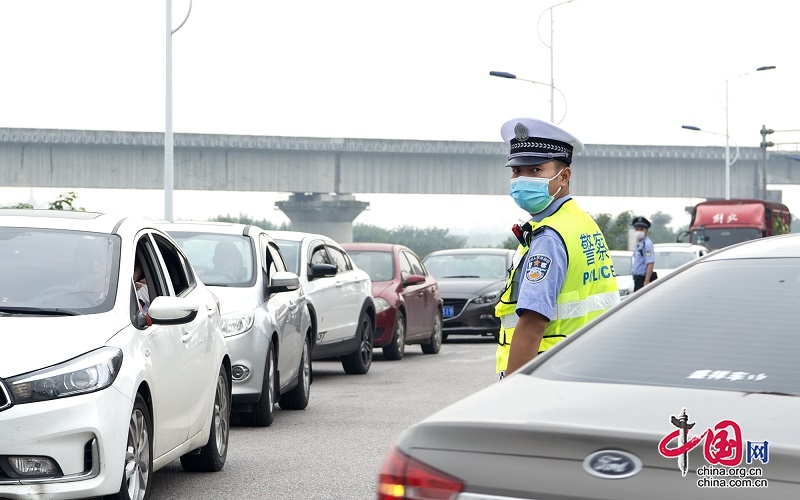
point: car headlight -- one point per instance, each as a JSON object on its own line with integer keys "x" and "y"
{"x": 94, "y": 371}
{"x": 489, "y": 298}
{"x": 381, "y": 305}
{"x": 234, "y": 324}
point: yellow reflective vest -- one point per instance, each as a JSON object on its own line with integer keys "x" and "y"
{"x": 590, "y": 283}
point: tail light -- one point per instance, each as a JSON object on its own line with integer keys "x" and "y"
{"x": 402, "y": 477}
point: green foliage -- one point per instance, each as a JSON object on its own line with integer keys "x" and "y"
{"x": 246, "y": 219}
{"x": 615, "y": 229}
{"x": 20, "y": 205}
{"x": 510, "y": 243}
{"x": 421, "y": 240}
{"x": 65, "y": 202}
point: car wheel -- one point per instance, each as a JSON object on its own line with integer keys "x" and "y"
{"x": 359, "y": 361}
{"x": 433, "y": 345}
{"x": 297, "y": 398}
{"x": 397, "y": 348}
{"x": 138, "y": 455}
{"x": 264, "y": 410}
{"x": 212, "y": 456}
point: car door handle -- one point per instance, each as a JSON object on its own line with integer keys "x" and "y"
{"x": 187, "y": 336}
{"x": 339, "y": 284}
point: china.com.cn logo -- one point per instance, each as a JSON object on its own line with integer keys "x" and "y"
{"x": 722, "y": 445}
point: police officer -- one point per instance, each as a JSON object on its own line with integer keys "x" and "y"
{"x": 562, "y": 276}
{"x": 644, "y": 256}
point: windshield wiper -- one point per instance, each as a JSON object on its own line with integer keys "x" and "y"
{"x": 50, "y": 311}
{"x": 462, "y": 276}
{"x": 772, "y": 393}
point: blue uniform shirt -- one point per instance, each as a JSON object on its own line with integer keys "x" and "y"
{"x": 643, "y": 255}
{"x": 547, "y": 253}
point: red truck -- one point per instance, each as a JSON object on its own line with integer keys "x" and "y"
{"x": 720, "y": 223}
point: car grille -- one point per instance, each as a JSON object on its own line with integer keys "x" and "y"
{"x": 458, "y": 304}
{"x": 5, "y": 397}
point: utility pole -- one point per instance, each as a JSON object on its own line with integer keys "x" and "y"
{"x": 764, "y": 145}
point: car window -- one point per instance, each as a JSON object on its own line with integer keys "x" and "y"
{"x": 416, "y": 265}
{"x": 319, "y": 255}
{"x": 379, "y": 265}
{"x": 290, "y": 250}
{"x": 179, "y": 272}
{"x": 671, "y": 259}
{"x": 339, "y": 259}
{"x": 58, "y": 269}
{"x": 219, "y": 259}
{"x": 622, "y": 264}
{"x": 701, "y": 328}
{"x": 405, "y": 266}
{"x": 463, "y": 265}
{"x": 276, "y": 263}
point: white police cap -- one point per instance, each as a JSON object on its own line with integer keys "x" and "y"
{"x": 533, "y": 142}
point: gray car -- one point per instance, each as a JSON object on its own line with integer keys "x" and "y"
{"x": 471, "y": 281}
{"x": 265, "y": 315}
{"x": 689, "y": 389}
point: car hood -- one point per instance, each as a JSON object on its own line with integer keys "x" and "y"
{"x": 234, "y": 299}
{"x": 569, "y": 420}
{"x": 39, "y": 342}
{"x": 378, "y": 287}
{"x": 467, "y": 286}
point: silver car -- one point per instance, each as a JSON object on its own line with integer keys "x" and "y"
{"x": 688, "y": 389}
{"x": 265, "y": 316}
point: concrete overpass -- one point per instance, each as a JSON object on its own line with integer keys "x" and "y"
{"x": 324, "y": 174}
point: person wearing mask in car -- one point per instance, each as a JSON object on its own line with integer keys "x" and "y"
{"x": 644, "y": 257}
{"x": 562, "y": 276}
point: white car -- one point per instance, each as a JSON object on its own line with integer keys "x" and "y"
{"x": 670, "y": 256}
{"x": 339, "y": 298}
{"x": 265, "y": 318}
{"x": 97, "y": 389}
{"x": 623, "y": 262}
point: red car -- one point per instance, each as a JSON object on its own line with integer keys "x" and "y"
{"x": 407, "y": 301}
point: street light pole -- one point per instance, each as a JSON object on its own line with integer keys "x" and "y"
{"x": 168, "y": 136}
{"x": 727, "y": 133}
{"x": 550, "y": 46}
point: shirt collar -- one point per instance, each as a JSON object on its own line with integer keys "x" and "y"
{"x": 547, "y": 212}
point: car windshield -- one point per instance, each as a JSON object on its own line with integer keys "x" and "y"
{"x": 622, "y": 264}
{"x": 56, "y": 271}
{"x": 726, "y": 325}
{"x": 715, "y": 238}
{"x": 467, "y": 265}
{"x": 291, "y": 254}
{"x": 219, "y": 259}
{"x": 379, "y": 265}
{"x": 672, "y": 259}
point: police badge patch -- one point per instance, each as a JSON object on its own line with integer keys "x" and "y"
{"x": 537, "y": 268}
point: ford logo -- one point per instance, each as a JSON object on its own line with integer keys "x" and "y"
{"x": 612, "y": 464}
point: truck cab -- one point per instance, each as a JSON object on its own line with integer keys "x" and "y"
{"x": 721, "y": 223}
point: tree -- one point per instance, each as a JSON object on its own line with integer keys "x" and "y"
{"x": 65, "y": 202}
{"x": 615, "y": 229}
{"x": 659, "y": 231}
{"x": 246, "y": 219}
{"x": 20, "y": 205}
{"x": 421, "y": 240}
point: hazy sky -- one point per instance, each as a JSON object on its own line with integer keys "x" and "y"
{"x": 632, "y": 72}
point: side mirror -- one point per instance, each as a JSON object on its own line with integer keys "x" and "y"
{"x": 283, "y": 281}
{"x": 322, "y": 271}
{"x": 413, "y": 279}
{"x": 682, "y": 235}
{"x": 166, "y": 310}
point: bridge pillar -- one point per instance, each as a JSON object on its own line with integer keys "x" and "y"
{"x": 328, "y": 214}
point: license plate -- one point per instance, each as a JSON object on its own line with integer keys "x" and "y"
{"x": 448, "y": 311}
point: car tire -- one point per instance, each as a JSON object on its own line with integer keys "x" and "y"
{"x": 297, "y": 398}
{"x": 433, "y": 345}
{"x": 359, "y": 361}
{"x": 138, "y": 455}
{"x": 395, "y": 350}
{"x": 212, "y": 456}
{"x": 264, "y": 409}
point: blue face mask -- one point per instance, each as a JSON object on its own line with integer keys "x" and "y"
{"x": 532, "y": 194}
